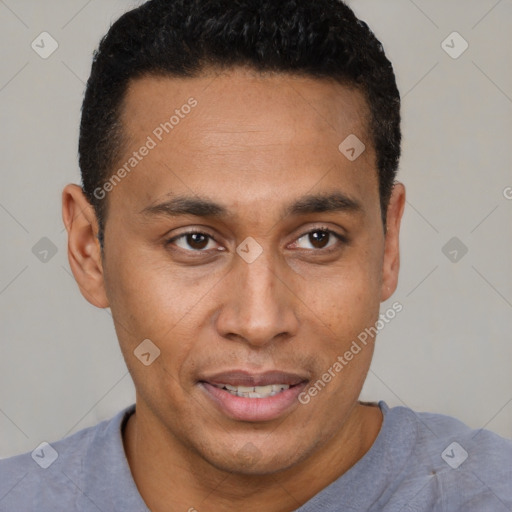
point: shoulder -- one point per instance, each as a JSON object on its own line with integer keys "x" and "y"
{"x": 462, "y": 468}
{"x": 55, "y": 474}
{"x": 460, "y": 444}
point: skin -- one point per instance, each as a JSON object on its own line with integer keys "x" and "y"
{"x": 254, "y": 144}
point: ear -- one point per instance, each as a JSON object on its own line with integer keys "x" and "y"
{"x": 84, "y": 252}
{"x": 391, "y": 262}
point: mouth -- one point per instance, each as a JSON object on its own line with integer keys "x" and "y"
{"x": 244, "y": 396}
{"x": 253, "y": 391}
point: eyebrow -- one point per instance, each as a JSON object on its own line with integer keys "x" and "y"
{"x": 204, "y": 207}
{"x": 335, "y": 202}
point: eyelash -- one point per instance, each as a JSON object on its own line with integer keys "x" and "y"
{"x": 341, "y": 238}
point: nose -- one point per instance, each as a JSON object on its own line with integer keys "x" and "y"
{"x": 259, "y": 305}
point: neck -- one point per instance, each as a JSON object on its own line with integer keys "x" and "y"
{"x": 171, "y": 478}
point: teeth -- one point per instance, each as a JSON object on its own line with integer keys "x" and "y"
{"x": 254, "y": 391}
{"x": 264, "y": 390}
{"x": 244, "y": 389}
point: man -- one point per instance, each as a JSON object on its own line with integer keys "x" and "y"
{"x": 240, "y": 217}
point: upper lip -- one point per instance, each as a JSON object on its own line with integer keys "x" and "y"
{"x": 245, "y": 378}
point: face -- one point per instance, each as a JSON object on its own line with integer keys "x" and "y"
{"x": 250, "y": 250}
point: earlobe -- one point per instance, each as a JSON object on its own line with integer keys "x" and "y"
{"x": 391, "y": 261}
{"x": 84, "y": 252}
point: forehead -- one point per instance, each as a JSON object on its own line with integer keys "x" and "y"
{"x": 272, "y": 131}
{"x": 245, "y": 100}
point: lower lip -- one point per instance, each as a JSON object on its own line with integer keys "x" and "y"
{"x": 254, "y": 409}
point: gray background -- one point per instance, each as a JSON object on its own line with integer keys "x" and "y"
{"x": 448, "y": 351}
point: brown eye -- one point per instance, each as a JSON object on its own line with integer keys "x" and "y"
{"x": 197, "y": 240}
{"x": 318, "y": 239}
{"x": 193, "y": 241}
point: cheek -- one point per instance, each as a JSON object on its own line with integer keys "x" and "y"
{"x": 155, "y": 301}
{"x": 150, "y": 303}
{"x": 150, "y": 296}
{"x": 348, "y": 299}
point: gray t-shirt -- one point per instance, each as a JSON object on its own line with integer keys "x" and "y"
{"x": 418, "y": 462}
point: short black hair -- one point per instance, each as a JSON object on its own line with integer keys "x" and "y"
{"x": 182, "y": 38}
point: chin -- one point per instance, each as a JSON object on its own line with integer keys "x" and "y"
{"x": 251, "y": 461}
